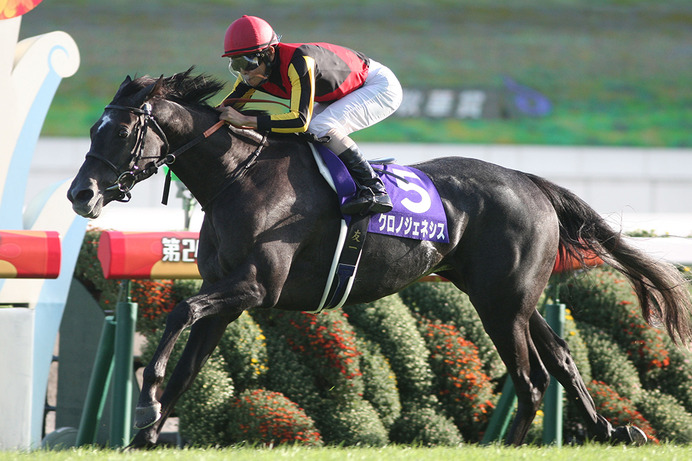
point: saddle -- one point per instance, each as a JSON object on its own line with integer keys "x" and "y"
{"x": 418, "y": 214}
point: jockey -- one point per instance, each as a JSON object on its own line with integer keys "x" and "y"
{"x": 333, "y": 91}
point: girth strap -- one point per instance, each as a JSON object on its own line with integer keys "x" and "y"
{"x": 348, "y": 261}
{"x": 347, "y": 253}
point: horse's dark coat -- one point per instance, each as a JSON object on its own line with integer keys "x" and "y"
{"x": 267, "y": 241}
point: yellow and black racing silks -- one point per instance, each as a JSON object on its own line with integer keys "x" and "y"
{"x": 304, "y": 73}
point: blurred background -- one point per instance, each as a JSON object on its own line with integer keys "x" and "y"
{"x": 595, "y": 95}
{"x": 575, "y": 90}
{"x": 614, "y": 72}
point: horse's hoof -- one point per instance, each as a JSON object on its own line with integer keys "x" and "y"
{"x": 637, "y": 435}
{"x": 143, "y": 440}
{"x": 629, "y": 434}
{"x": 146, "y": 416}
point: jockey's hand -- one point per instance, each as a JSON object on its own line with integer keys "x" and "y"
{"x": 237, "y": 119}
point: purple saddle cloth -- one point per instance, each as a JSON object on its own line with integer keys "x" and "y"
{"x": 418, "y": 212}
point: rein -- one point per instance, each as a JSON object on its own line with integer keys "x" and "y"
{"x": 170, "y": 158}
{"x": 127, "y": 179}
{"x": 228, "y": 101}
{"x": 133, "y": 173}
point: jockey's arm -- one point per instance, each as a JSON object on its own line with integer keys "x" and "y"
{"x": 230, "y": 109}
{"x": 301, "y": 74}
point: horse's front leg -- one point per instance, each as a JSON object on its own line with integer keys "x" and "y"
{"x": 148, "y": 409}
{"x": 223, "y": 301}
{"x": 204, "y": 337}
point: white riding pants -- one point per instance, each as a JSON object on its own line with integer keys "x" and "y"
{"x": 376, "y": 100}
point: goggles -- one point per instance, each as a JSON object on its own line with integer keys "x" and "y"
{"x": 245, "y": 63}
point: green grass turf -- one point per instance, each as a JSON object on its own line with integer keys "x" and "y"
{"x": 391, "y": 453}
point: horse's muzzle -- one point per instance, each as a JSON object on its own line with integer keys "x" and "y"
{"x": 86, "y": 201}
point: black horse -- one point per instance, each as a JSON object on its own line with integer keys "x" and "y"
{"x": 271, "y": 225}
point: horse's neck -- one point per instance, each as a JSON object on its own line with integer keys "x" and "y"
{"x": 213, "y": 163}
{"x": 222, "y": 158}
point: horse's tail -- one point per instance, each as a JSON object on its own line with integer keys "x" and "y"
{"x": 660, "y": 287}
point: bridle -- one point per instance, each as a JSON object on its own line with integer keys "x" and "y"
{"x": 130, "y": 173}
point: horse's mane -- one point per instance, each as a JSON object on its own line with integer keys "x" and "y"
{"x": 182, "y": 87}
{"x": 189, "y": 89}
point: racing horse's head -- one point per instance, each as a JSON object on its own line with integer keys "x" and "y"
{"x": 130, "y": 139}
{"x": 121, "y": 147}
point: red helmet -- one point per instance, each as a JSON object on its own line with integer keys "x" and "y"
{"x": 247, "y": 35}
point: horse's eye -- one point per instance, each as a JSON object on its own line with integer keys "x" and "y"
{"x": 124, "y": 132}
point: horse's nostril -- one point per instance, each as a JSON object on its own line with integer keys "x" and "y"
{"x": 83, "y": 195}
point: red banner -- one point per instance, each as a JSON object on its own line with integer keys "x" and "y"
{"x": 173, "y": 255}
{"x": 149, "y": 255}
{"x": 30, "y": 254}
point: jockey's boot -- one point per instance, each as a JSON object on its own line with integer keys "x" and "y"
{"x": 371, "y": 196}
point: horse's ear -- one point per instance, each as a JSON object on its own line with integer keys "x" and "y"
{"x": 125, "y": 82}
{"x": 156, "y": 89}
{"x": 122, "y": 85}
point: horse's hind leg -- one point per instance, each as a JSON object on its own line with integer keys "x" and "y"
{"x": 529, "y": 376}
{"x": 503, "y": 264}
{"x": 505, "y": 304}
{"x": 559, "y": 362}
{"x": 556, "y": 356}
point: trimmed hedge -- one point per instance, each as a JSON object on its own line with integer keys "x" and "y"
{"x": 668, "y": 416}
{"x": 290, "y": 376}
{"x": 411, "y": 368}
{"x": 604, "y": 299}
{"x": 244, "y": 349}
{"x": 389, "y": 323}
{"x": 380, "y": 381}
{"x": 678, "y": 376}
{"x": 269, "y": 418}
{"x": 327, "y": 344}
{"x": 203, "y": 409}
{"x": 674, "y": 377}
{"x": 157, "y": 300}
{"x": 465, "y": 392}
{"x": 446, "y": 303}
{"x": 152, "y": 341}
{"x": 314, "y": 361}
{"x": 609, "y": 364}
{"x": 620, "y": 411}
{"x": 422, "y": 425}
{"x": 578, "y": 347}
{"x": 351, "y": 422}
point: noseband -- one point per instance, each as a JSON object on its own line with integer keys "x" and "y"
{"x": 131, "y": 173}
